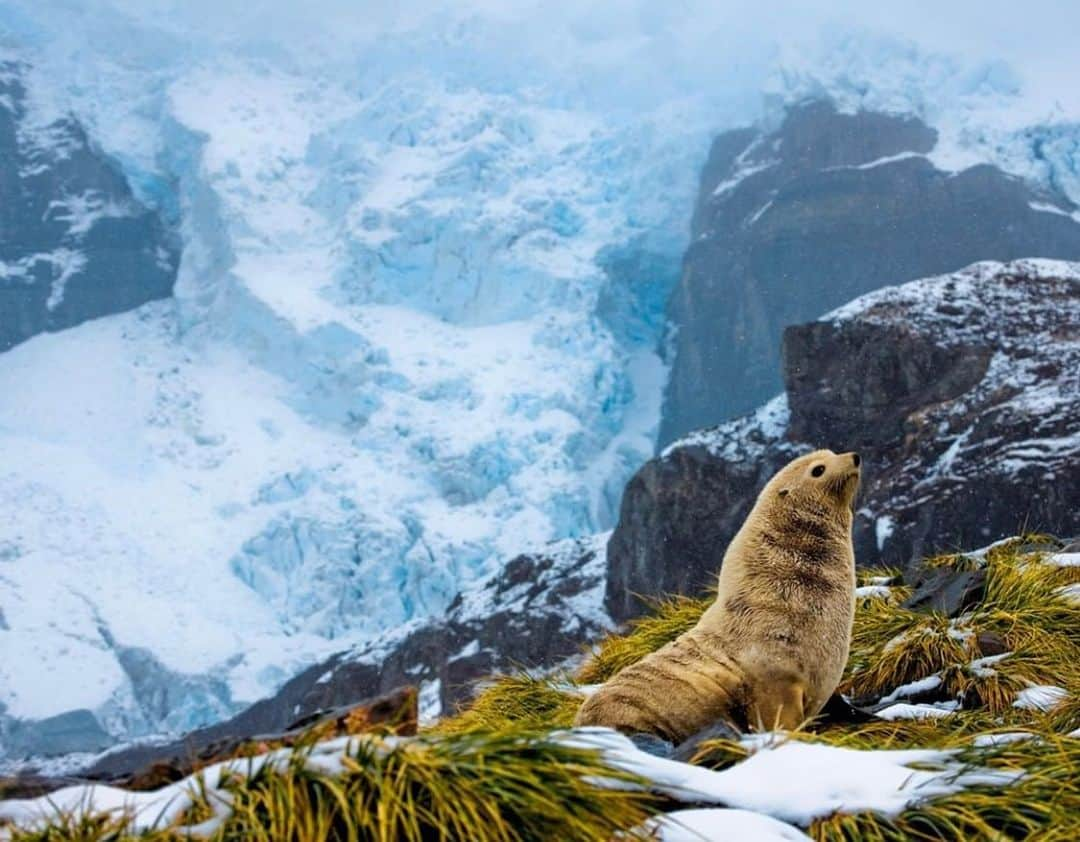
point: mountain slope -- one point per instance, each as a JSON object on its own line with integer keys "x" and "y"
{"x": 792, "y": 223}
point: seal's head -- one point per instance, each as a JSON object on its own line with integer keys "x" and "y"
{"x": 817, "y": 478}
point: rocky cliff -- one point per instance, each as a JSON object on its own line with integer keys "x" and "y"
{"x": 792, "y": 223}
{"x": 962, "y": 392}
{"x": 75, "y": 244}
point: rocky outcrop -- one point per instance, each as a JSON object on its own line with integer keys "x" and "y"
{"x": 792, "y": 223}
{"x": 962, "y": 392}
{"x": 153, "y": 765}
{"x": 540, "y": 609}
{"x": 75, "y": 244}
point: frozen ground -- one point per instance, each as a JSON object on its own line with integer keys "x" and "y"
{"x": 415, "y": 328}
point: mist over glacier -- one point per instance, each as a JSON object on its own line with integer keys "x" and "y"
{"x": 418, "y": 321}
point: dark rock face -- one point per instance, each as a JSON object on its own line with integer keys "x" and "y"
{"x": 946, "y": 591}
{"x": 678, "y": 514}
{"x": 74, "y": 243}
{"x": 791, "y": 224}
{"x": 962, "y": 393}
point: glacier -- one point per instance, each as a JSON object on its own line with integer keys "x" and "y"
{"x": 418, "y": 324}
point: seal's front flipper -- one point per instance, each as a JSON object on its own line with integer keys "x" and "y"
{"x": 782, "y": 706}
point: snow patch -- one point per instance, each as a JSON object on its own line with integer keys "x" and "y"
{"x": 884, "y": 527}
{"x": 716, "y": 824}
{"x": 798, "y": 782}
{"x": 430, "y": 702}
{"x": 904, "y": 691}
{"x": 1040, "y": 697}
{"x": 922, "y": 711}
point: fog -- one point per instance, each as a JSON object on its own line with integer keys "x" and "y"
{"x": 619, "y": 52}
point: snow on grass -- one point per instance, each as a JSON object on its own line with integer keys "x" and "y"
{"x": 158, "y": 808}
{"x": 904, "y": 691}
{"x": 873, "y": 592}
{"x": 922, "y": 711}
{"x": 1000, "y": 739}
{"x": 1040, "y": 697}
{"x": 798, "y": 782}
{"x": 793, "y": 782}
{"x": 702, "y": 825}
{"x": 1063, "y": 559}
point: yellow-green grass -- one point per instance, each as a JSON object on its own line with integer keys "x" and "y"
{"x": 1044, "y": 803}
{"x": 667, "y": 619}
{"x": 511, "y": 786}
{"x": 1024, "y": 609}
{"x": 520, "y": 701}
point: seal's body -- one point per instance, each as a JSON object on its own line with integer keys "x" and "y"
{"x": 770, "y": 650}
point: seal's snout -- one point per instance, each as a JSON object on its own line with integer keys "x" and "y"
{"x": 856, "y": 459}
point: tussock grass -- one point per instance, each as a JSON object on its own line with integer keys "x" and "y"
{"x": 1024, "y": 607}
{"x": 894, "y": 646}
{"x": 520, "y": 701}
{"x": 954, "y": 561}
{"x": 1044, "y": 803}
{"x": 99, "y": 827}
{"x": 878, "y": 576}
{"x": 668, "y": 619}
{"x": 512, "y": 786}
{"x": 493, "y": 787}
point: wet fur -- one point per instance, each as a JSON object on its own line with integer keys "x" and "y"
{"x": 770, "y": 650}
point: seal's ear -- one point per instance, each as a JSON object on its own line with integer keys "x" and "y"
{"x": 783, "y": 492}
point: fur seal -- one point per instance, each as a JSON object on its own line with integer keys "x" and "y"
{"x": 770, "y": 651}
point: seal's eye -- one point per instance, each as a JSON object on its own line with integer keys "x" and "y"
{"x": 818, "y": 470}
{"x": 784, "y": 492}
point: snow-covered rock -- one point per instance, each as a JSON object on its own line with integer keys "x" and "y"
{"x": 75, "y": 244}
{"x": 828, "y": 206}
{"x": 960, "y": 391}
